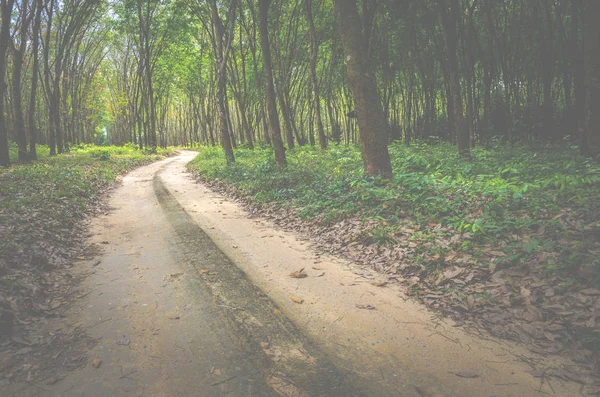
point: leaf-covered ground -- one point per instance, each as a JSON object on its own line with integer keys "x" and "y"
{"x": 43, "y": 206}
{"x": 508, "y": 241}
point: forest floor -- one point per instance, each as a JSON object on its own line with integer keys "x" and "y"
{"x": 45, "y": 207}
{"x": 505, "y": 242}
{"x": 185, "y": 292}
{"x": 179, "y": 290}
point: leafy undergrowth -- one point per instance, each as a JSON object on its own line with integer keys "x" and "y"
{"x": 42, "y": 208}
{"x": 42, "y": 151}
{"x": 509, "y": 240}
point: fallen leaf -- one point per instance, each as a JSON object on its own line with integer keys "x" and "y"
{"x": 6, "y": 360}
{"x": 453, "y": 272}
{"x": 423, "y": 392}
{"x": 495, "y": 253}
{"x": 470, "y": 301}
{"x": 320, "y": 274}
{"x": 296, "y": 299}
{"x": 54, "y": 379}
{"x": 379, "y": 283}
{"x": 590, "y": 291}
{"x": 467, "y": 374}
{"x": 265, "y": 345}
{"x": 284, "y": 387}
{"x": 204, "y": 271}
{"x": 277, "y": 311}
{"x": 96, "y": 363}
{"x": 298, "y": 274}
{"x": 123, "y": 341}
{"x": 366, "y": 307}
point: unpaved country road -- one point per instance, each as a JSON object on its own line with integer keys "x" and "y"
{"x": 173, "y": 315}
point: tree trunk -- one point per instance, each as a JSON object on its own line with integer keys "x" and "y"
{"x": 6, "y": 7}
{"x": 578, "y": 62}
{"x": 275, "y": 129}
{"x": 373, "y": 128}
{"x": 34, "y": 80}
{"x": 450, "y": 10}
{"x": 591, "y": 144}
{"x": 314, "y": 50}
{"x": 17, "y": 71}
{"x": 285, "y": 113}
{"x": 221, "y": 53}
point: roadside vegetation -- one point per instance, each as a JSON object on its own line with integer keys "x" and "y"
{"x": 42, "y": 209}
{"x": 511, "y": 233}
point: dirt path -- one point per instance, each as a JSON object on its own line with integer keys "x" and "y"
{"x": 174, "y": 316}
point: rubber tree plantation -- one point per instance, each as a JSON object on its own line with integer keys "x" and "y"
{"x": 450, "y": 147}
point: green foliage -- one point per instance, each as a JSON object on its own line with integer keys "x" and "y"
{"x": 41, "y": 202}
{"x": 42, "y": 151}
{"x": 507, "y": 196}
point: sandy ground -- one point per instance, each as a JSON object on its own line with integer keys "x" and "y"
{"x": 192, "y": 297}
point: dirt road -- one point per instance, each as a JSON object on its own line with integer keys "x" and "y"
{"x": 192, "y": 297}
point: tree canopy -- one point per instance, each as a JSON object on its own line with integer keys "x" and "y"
{"x": 284, "y": 73}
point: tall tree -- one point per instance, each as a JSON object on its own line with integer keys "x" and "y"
{"x": 263, "y": 10}
{"x": 221, "y": 37}
{"x": 372, "y": 124}
{"x": 591, "y": 142}
{"x": 451, "y": 13}
{"x": 18, "y": 50}
{"x": 6, "y": 7}
{"x": 35, "y": 69}
{"x": 314, "y": 52}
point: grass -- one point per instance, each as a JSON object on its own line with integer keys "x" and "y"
{"x": 509, "y": 198}
{"x": 41, "y": 203}
{"x": 42, "y": 152}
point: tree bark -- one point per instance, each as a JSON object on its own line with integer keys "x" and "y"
{"x": 373, "y": 128}
{"x": 6, "y": 7}
{"x": 222, "y": 53}
{"x": 35, "y": 44}
{"x": 18, "y": 50}
{"x": 275, "y": 129}
{"x": 591, "y": 144}
{"x": 314, "y": 50}
{"x": 450, "y": 10}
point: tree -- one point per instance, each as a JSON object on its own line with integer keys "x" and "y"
{"x": 591, "y": 142}
{"x": 450, "y": 11}
{"x": 35, "y": 68}
{"x": 6, "y": 7}
{"x": 314, "y": 51}
{"x": 372, "y": 124}
{"x": 263, "y": 10}
{"x": 221, "y": 45}
{"x": 26, "y": 14}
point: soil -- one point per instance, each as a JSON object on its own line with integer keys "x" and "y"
{"x": 191, "y": 295}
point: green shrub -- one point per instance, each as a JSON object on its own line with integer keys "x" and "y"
{"x": 496, "y": 195}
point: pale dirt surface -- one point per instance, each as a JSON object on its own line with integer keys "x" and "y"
{"x": 172, "y": 315}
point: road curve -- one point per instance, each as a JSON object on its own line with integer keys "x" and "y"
{"x": 172, "y": 315}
